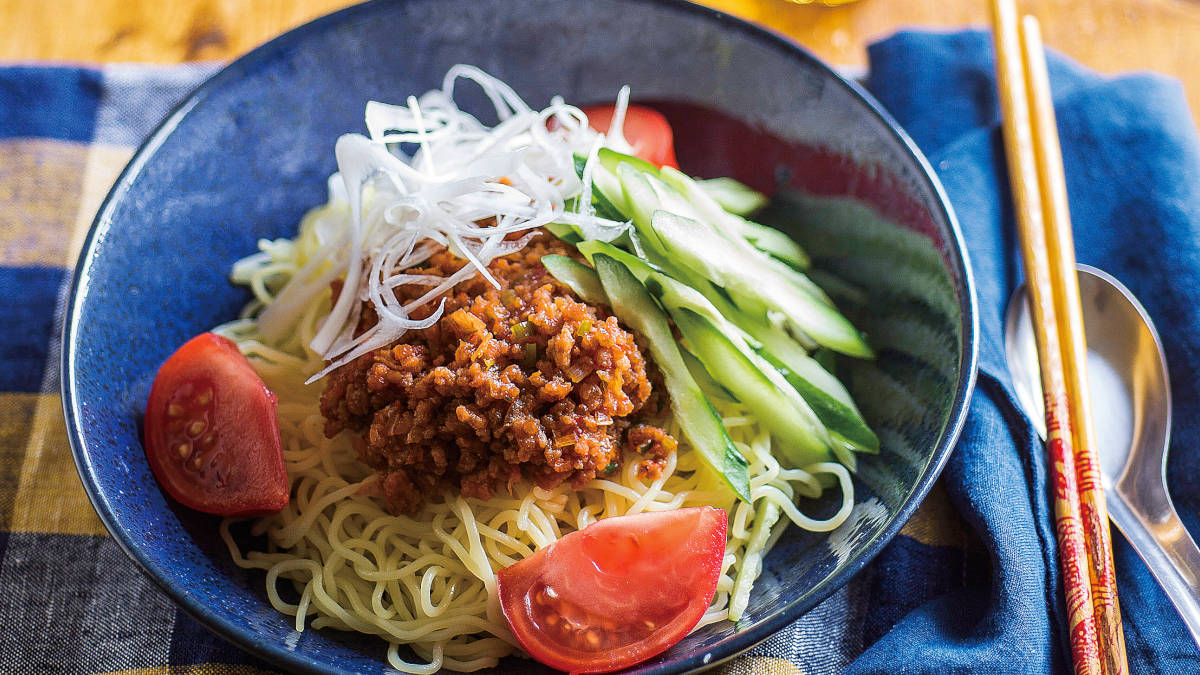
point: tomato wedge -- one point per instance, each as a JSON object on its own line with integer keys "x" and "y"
{"x": 645, "y": 128}
{"x": 212, "y": 436}
{"x": 616, "y": 592}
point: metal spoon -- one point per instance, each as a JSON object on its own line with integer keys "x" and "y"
{"x": 1131, "y": 403}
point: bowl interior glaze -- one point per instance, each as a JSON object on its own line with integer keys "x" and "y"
{"x": 249, "y": 152}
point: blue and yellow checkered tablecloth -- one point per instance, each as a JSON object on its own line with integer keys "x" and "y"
{"x": 976, "y": 593}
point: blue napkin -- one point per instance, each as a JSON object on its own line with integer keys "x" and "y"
{"x": 1132, "y": 162}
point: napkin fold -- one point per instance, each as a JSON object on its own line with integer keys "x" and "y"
{"x": 1132, "y": 163}
{"x": 978, "y": 594}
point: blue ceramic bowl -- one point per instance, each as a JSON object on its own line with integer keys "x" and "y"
{"x": 246, "y": 154}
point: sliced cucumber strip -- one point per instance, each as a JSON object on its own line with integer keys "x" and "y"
{"x": 842, "y": 421}
{"x": 607, "y": 198}
{"x": 733, "y": 196}
{"x": 802, "y": 438}
{"x": 567, "y": 233}
{"x": 577, "y": 276}
{"x": 711, "y": 388}
{"x": 708, "y": 253}
{"x": 643, "y": 202}
{"x": 823, "y": 392}
{"x": 768, "y": 239}
{"x": 699, "y": 421}
{"x": 611, "y": 159}
{"x": 669, "y": 291}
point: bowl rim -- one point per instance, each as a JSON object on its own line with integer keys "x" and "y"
{"x": 278, "y": 654}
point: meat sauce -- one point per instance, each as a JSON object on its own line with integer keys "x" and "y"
{"x": 523, "y": 381}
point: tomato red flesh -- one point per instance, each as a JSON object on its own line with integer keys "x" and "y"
{"x": 616, "y": 592}
{"x": 211, "y": 432}
{"x": 646, "y": 130}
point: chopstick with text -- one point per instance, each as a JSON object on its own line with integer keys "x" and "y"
{"x": 1072, "y": 340}
{"x": 1047, "y": 248}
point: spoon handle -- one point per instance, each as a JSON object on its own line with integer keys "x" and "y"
{"x": 1159, "y": 537}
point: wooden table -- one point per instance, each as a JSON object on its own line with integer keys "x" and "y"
{"x": 1110, "y": 35}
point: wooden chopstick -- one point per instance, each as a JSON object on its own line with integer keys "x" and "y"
{"x": 1023, "y": 179}
{"x": 1068, "y": 310}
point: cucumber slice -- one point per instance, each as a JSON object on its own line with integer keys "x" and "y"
{"x": 733, "y": 196}
{"x": 699, "y": 421}
{"x": 611, "y": 159}
{"x": 800, "y": 280}
{"x": 843, "y": 422}
{"x": 711, "y": 388}
{"x": 640, "y": 268}
{"x": 567, "y": 233}
{"x": 767, "y": 239}
{"x": 802, "y": 438}
{"x": 709, "y": 254}
{"x": 642, "y": 201}
{"x": 778, "y": 347}
{"x": 844, "y": 451}
{"x": 823, "y": 392}
{"x": 669, "y": 291}
{"x": 578, "y": 277}
{"x": 646, "y": 194}
{"x": 777, "y": 244}
{"x": 607, "y": 198}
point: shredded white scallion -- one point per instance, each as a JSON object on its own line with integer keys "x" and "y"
{"x": 466, "y": 186}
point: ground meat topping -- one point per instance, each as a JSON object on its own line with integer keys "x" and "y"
{"x": 521, "y": 381}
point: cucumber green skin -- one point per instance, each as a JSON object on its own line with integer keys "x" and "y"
{"x": 608, "y": 196}
{"x": 642, "y": 187}
{"x": 768, "y": 239}
{"x": 778, "y": 244}
{"x": 605, "y": 208}
{"x": 844, "y": 424}
{"x": 733, "y": 196}
{"x": 669, "y": 291}
{"x": 697, "y": 418}
{"x": 567, "y": 233}
{"x": 711, "y": 388}
{"x": 799, "y": 444}
{"x": 643, "y": 202}
{"x": 577, "y": 276}
{"x": 642, "y": 269}
{"x": 611, "y": 159}
{"x": 821, "y": 390}
{"x": 704, "y": 249}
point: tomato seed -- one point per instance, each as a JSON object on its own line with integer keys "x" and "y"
{"x": 204, "y": 398}
{"x": 174, "y": 410}
{"x": 592, "y": 637}
{"x": 196, "y": 428}
{"x": 183, "y": 449}
{"x": 551, "y": 619}
{"x": 197, "y": 460}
